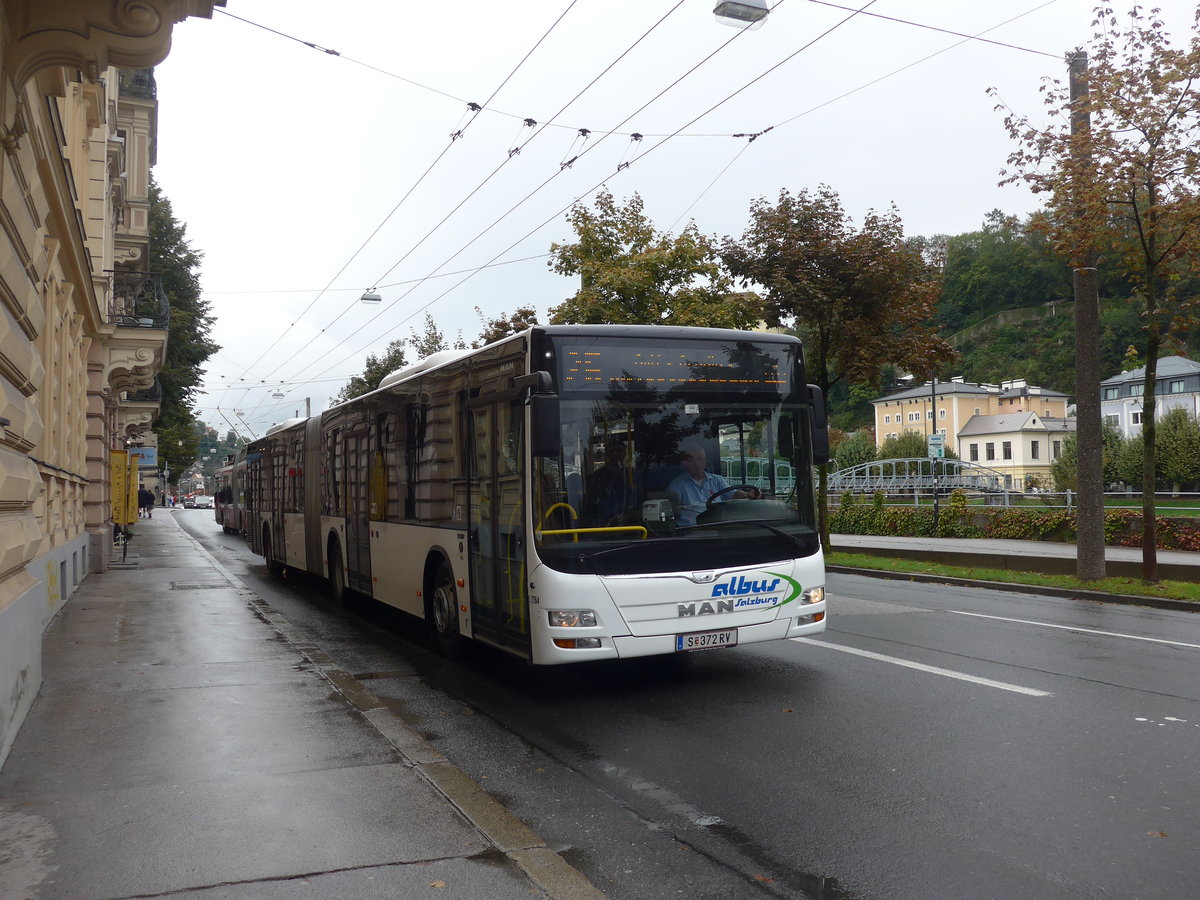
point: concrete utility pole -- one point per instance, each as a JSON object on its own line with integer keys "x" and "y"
{"x": 1089, "y": 517}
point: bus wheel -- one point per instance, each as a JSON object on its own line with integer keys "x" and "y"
{"x": 445, "y": 612}
{"x": 337, "y": 575}
{"x": 274, "y": 566}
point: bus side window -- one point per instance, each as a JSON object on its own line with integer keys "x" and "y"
{"x": 415, "y": 415}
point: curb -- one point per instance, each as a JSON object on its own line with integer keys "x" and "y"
{"x": 508, "y": 834}
{"x": 1012, "y": 587}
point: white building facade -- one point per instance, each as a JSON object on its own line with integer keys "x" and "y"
{"x": 1176, "y": 386}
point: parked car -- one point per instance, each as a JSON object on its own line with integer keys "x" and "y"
{"x": 203, "y": 501}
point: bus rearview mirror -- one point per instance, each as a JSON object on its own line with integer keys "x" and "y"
{"x": 543, "y": 425}
{"x": 819, "y": 425}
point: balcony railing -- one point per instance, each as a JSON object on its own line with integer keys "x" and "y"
{"x": 138, "y": 300}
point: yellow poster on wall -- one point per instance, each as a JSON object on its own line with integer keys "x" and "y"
{"x": 124, "y": 488}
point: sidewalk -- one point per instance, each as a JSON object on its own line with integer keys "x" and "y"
{"x": 1048, "y": 557}
{"x": 187, "y": 739}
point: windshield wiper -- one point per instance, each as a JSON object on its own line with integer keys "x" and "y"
{"x": 790, "y": 538}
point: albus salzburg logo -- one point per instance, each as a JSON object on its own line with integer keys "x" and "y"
{"x": 741, "y": 593}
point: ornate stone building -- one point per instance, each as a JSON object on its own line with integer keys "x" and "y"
{"x": 82, "y": 321}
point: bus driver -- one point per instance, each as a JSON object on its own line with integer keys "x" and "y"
{"x": 695, "y": 485}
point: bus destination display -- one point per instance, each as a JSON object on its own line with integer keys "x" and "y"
{"x": 596, "y": 366}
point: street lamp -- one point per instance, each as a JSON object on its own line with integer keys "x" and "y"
{"x": 747, "y": 14}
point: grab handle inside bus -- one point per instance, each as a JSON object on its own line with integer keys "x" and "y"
{"x": 819, "y": 425}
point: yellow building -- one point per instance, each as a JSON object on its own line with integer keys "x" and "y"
{"x": 1013, "y": 427}
{"x": 82, "y": 321}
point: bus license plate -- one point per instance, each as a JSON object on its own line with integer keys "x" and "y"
{"x": 706, "y": 640}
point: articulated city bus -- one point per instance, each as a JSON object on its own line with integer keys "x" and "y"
{"x": 229, "y": 500}
{"x": 557, "y": 493}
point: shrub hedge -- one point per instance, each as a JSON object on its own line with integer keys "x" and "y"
{"x": 1121, "y": 527}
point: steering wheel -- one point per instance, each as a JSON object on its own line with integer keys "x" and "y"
{"x": 732, "y": 487}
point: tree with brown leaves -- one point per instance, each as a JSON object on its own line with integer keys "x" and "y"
{"x": 1128, "y": 186}
{"x": 862, "y": 297}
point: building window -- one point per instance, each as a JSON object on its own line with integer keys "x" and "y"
{"x": 974, "y": 453}
{"x": 1055, "y": 448}
{"x": 941, "y": 414}
{"x": 1112, "y": 420}
{"x": 929, "y": 414}
{"x": 887, "y": 420}
{"x": 1135, "y": 418}
{"x": 1033, "y": 450}
{"x": 989, "y": 450}
{"x": 1176, "y": 387}
{"x": 977, "y": 410}
{"x": 1007, "y": 449}
{"x": 1046, "y": 414}
{"x": 1112, "y": 393}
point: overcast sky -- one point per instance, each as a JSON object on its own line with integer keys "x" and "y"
{"x": 306, "y": 178}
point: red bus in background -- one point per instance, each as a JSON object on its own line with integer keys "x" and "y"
{"x": 230, "y": 498}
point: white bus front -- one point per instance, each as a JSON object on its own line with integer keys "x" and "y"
{"x": 640, "y": 545}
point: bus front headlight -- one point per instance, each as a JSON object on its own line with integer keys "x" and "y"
{"x": 572, "y": 618}
{"x": 813, "y": 595}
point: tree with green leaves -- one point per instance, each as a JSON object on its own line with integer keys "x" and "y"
{"x": 1127, "y": 184}
{"x": 907, "y": 445}
{"x": 502, "y": 326}
{"x": 188, "y": 344}
{"x": 861, "y": 297}
{"x": 1005, "y": 265}
{"x": 375, "y": 370}
{"x": 431, "y": 340}
{"x": 632, "y": 274}
{"x": 1179, "y": 449}
{"x": 854, "y": 449}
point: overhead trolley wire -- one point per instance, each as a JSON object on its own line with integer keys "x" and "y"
{"x": 475, "y": 109}
{"x": 861, "y": 87}
{"x": 969, "y": 37}
{"x": 418, "y": 84}
{"x": 503, "y": 163}
{"x": 532, "y": 193}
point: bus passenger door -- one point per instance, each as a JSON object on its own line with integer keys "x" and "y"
{"x": 499, "y": 611}
{"x": 358, "y": 534}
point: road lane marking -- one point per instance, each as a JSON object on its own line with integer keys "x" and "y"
{"x": 1118, "y": 634}
{"x": 932, "y": 670}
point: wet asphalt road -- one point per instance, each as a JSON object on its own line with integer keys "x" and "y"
{"x": 937, "y": 742}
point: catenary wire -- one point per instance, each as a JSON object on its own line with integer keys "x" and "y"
{"x": 426, "y": 87}
{"x": 861, "y": 87}
{"x": 595, "y": 187}
{"x": 678, "y": 133}
{"x": 557, "y": 173}
{"x": 528, "y": 196}
{"x": 476, "y": 109}
{"x": 506, "y": 262}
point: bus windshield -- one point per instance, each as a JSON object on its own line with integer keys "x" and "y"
{"x": 690, "y": 457}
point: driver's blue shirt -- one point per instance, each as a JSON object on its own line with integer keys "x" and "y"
{"x": 694, "y": 495}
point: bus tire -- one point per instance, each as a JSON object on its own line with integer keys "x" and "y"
{"x": 444, "y": 612}
{"x": 337, "y": 575}
{"x": 274, "y": 566}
